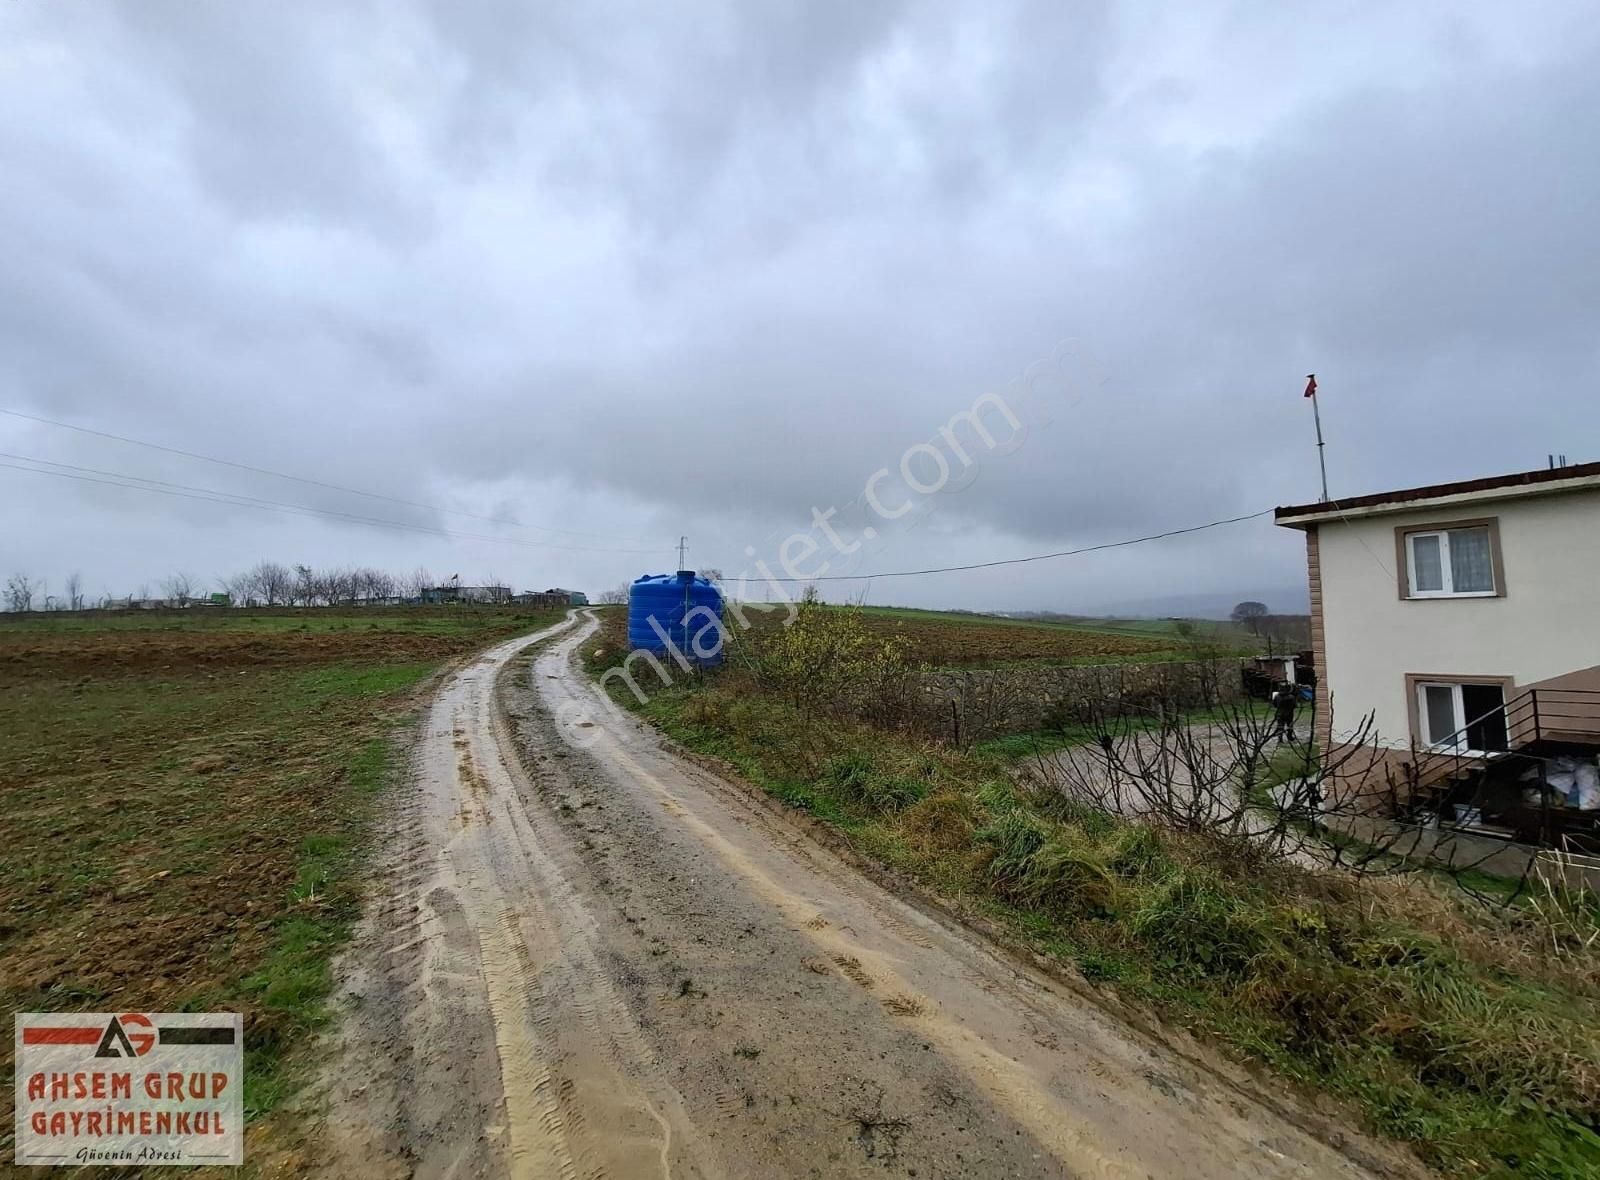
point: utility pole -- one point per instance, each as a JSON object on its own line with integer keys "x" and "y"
{"x": 683, "y": 547}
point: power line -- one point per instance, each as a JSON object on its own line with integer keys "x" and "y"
{"x": 119, "y": 479}
{"x": 983, "y": 565}
{"x": 238, "y": 500}
{"x": 333, "y": 487}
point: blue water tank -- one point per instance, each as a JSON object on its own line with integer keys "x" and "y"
{"x": 682, "y": 609}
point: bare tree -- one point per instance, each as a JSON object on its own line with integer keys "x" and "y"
{"x": 271, "y": 582}
{"x": 377, "y": 583}
{"x": 335, "y": 586}
{"x": 179, "y": 588}
{"x": 240, "y": 588}
{"x": 1228, "y": 778}
{"x": 73, "y": 588}
{"x": 20, "y": 590}
{"x": 417, "y": 581}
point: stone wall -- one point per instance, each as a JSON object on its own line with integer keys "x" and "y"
{"x": 967, "y": 705}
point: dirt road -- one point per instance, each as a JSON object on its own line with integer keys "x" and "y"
{"x": 595, "y": 959}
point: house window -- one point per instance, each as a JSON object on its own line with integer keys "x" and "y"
{"x": 1451, "y": 563}
{"x": 1463, "y": 718}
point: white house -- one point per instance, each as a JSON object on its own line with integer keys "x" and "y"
{"x": 1462, "y": 617}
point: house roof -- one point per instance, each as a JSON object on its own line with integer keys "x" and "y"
{"x": 1543, "y": 481}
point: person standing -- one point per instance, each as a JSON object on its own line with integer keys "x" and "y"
{"x": 1285, "y": 699}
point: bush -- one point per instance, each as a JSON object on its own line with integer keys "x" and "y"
{"x": 1041, "y": 867}
{"x": 859, "y": 783}
{"x": 828, "y": 657}
{"x": 940, "y": 823}
{"x": 1050, "y": 800}
{"x": 1194, "y": 925}
{"x": 705, "y": 710}
{"x": 1062, "y": 877}
{"x": 890, "y": 793}
{"x": 849, "y": 771}
{"x": 1015, "y": 835}
{"x": 998, "y": 796}
{"x": 1136, "y": 851}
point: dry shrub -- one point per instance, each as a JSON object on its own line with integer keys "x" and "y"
{"x": 944, "y": 822}
{"x": 1447, "y": 994}
{"x": 706, "y": 710}
{"x": 1568, "y": 912}
{"x": 1514, "y": 939}
{"x": 828, "y": 658}
{"x": 1319, "y": 1011}
{"x": 1065, "y": 874}
{"x": 1193, "y": 922}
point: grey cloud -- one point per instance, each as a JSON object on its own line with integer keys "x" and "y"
{"x": 278, "y": 111}
{"x": 640, "y": 271}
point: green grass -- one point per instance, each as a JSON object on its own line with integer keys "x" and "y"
{"x": 192, "y": 836}
{"x": 1156, "y": 627}
{"x": 293, "y": 983}
{"x": 964, "y": 619}
{"x": 1224, "y": 636}
{"x": 424, "y": 620}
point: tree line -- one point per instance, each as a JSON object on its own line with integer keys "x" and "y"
{"x": 267, "y": 583}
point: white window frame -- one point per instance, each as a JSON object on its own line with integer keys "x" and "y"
{"x": 1459, "y": 746}
{"x": 1445, "y": 575}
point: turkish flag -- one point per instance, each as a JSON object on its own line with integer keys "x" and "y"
{"x": 1311, "y": 385}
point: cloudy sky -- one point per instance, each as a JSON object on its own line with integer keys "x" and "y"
{"x": 557, "y": 284}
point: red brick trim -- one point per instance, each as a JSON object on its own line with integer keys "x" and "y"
{"x": 1319, "y": 643}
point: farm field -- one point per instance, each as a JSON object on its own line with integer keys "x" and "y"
{"x": 951, "y": 639}
{"x": 200, "y": 640}
{"x": 183, "y": 800}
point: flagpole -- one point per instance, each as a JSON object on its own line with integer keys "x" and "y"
{"x": 1316, "y": 414}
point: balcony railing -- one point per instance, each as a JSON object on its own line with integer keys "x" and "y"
{"x": 1566, "y": 715}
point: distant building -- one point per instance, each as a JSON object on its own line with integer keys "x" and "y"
{"x": 543, "y": 599}
{"x": 451, "y": 593}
